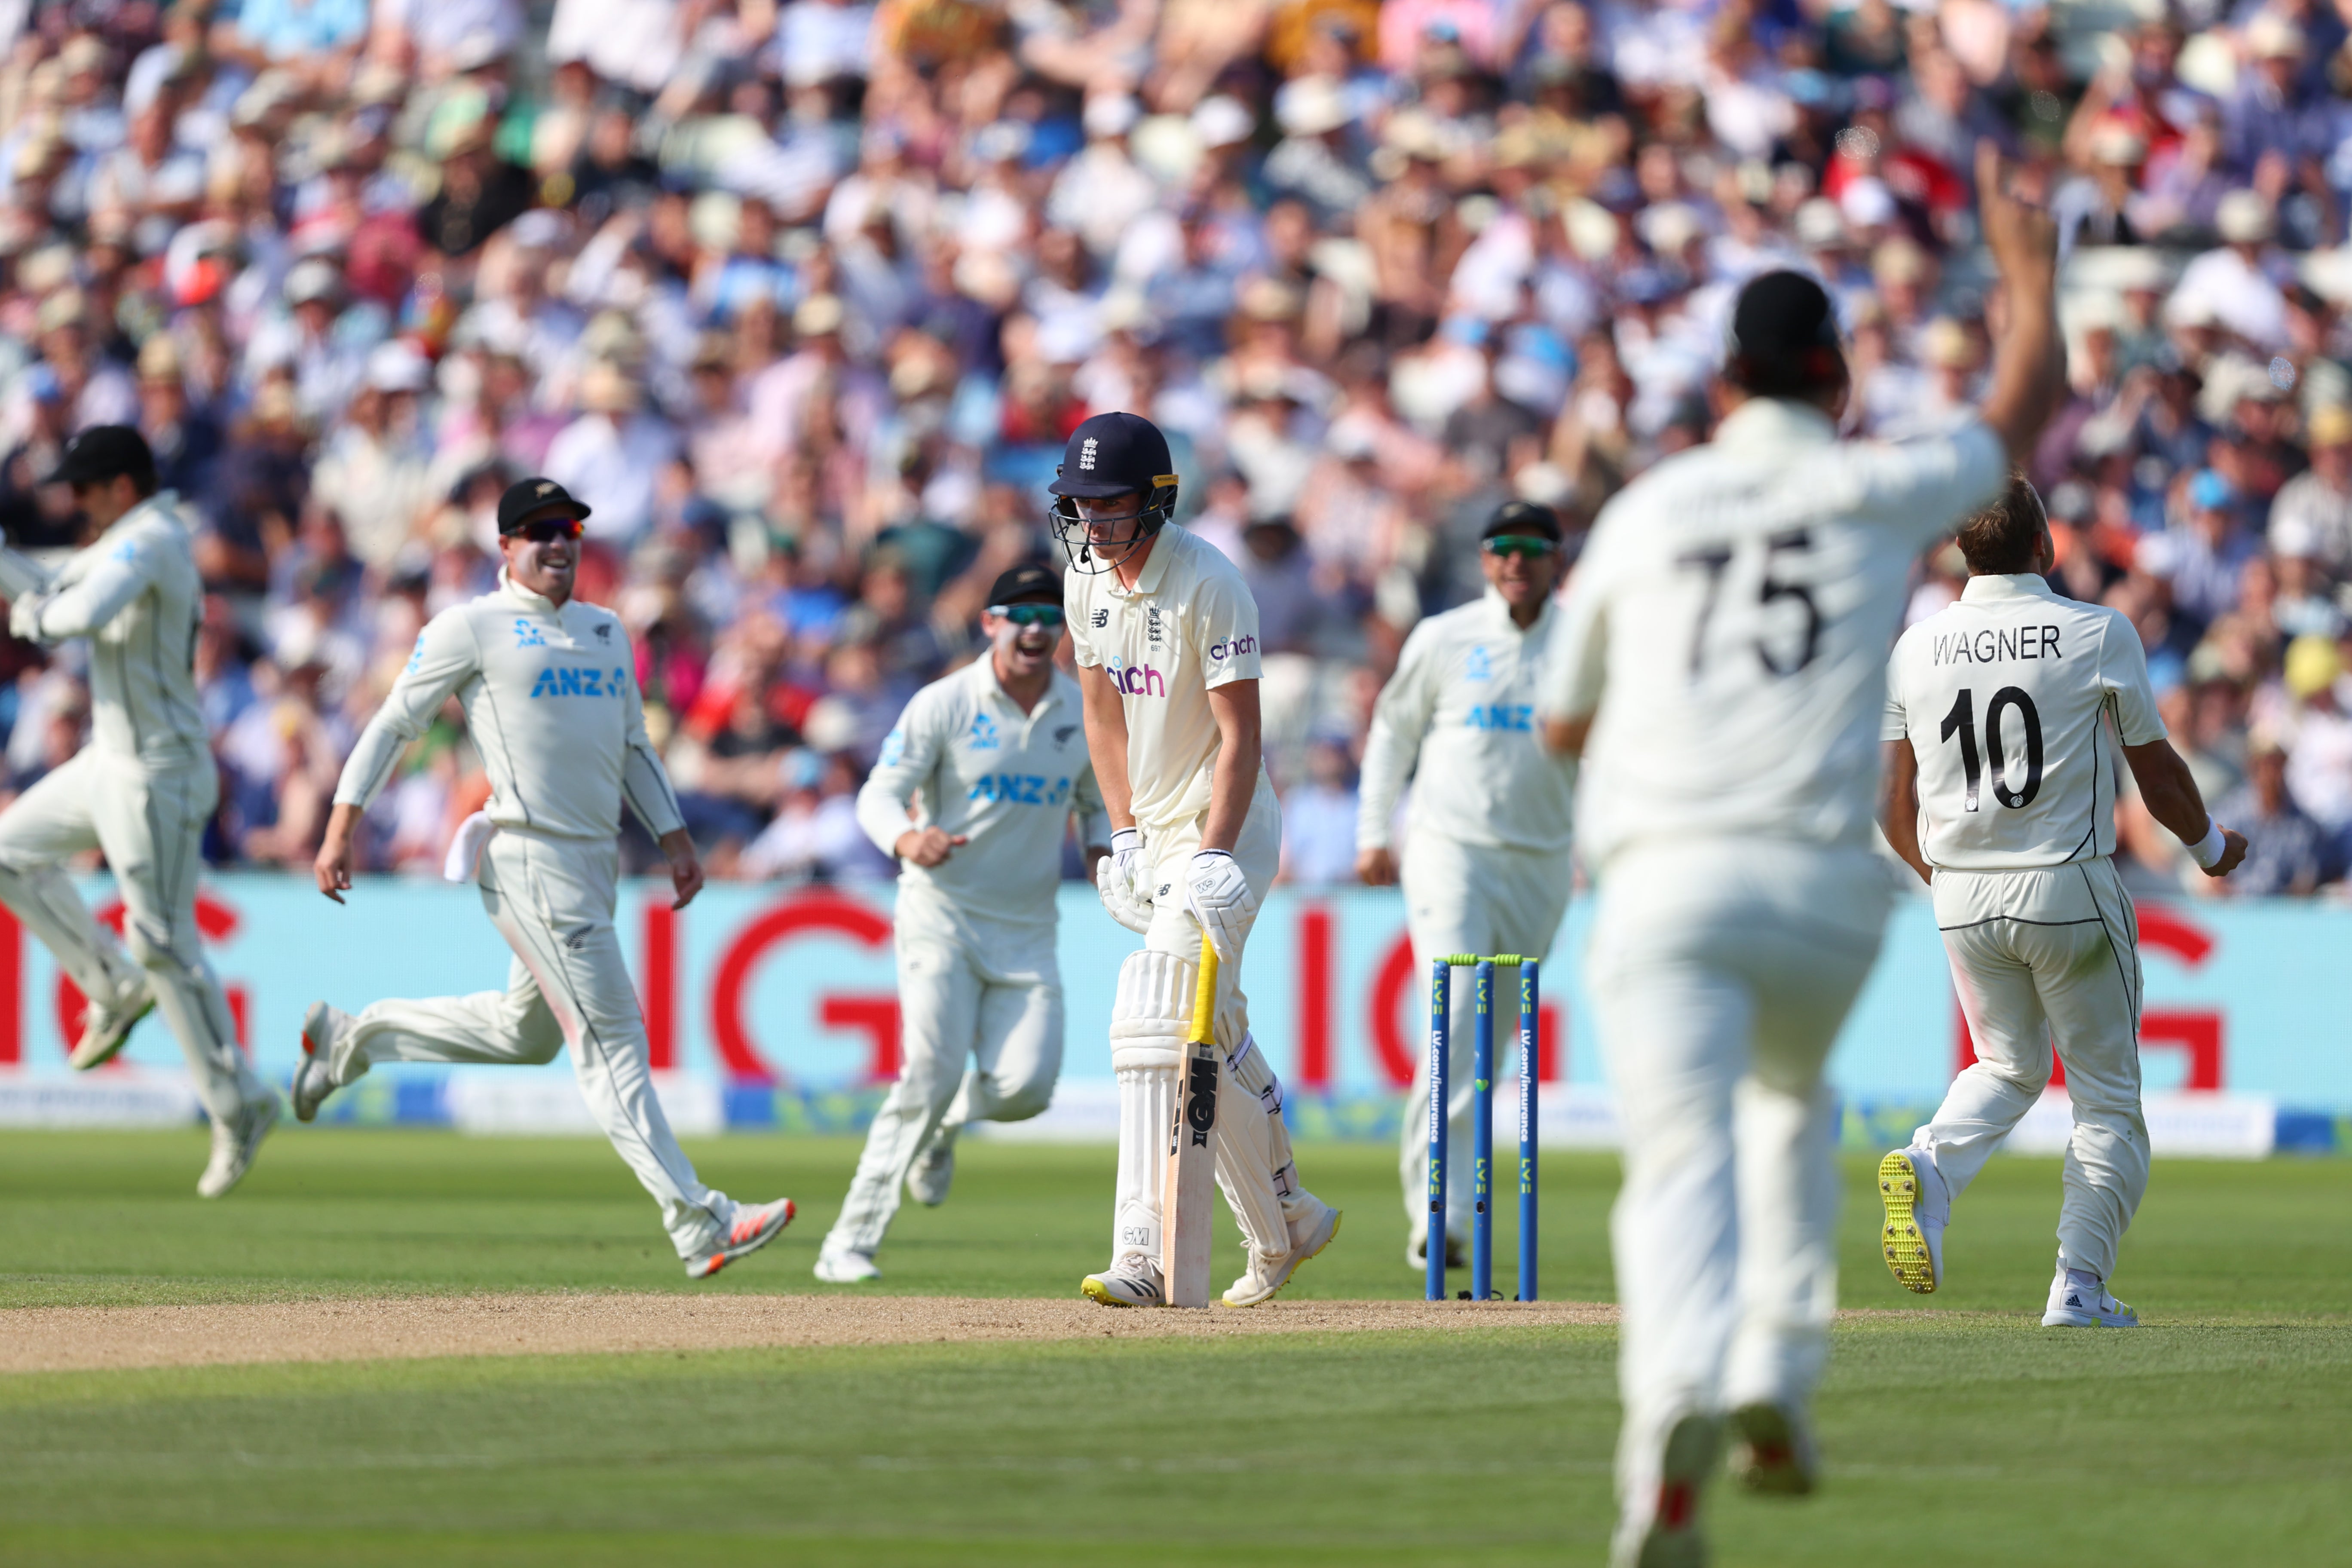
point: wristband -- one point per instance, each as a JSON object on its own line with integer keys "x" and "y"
{"x": 2207, "y": 851}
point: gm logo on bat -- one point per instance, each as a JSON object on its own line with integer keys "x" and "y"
{"x": 1201, "y": 1098}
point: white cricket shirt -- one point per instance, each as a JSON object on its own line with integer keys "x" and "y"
{"x": 972, "y": 762}
{"x": 135, "y": 593}
{"x": 1729, "y": 622}
{"x": 2002, "y": 695}
{"x": 1187, "y": 626}
{"x": 551, "y": 697}
{"x": 1462, "y": 704}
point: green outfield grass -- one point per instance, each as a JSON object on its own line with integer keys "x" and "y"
{"x": 1963, "y": 1434}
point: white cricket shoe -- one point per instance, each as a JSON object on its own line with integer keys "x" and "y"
{"x": 1268, "y": 1276}
{"x": 1773, "y": 1450}
{"x": 928, "y": 1178}
{"x": 1666, "y": 1533}
{"x": 1133, "y": 1281}
{"x": 846, "y": 1266}
{"x": 754, "y": 1225}
{"x": 106, "y": 1026}
{"x": 235, "y": 1142}
{"x": 314, "y": 1080}
{"x": 2075, "y": 1306}
{"x": 1918, "y": 1207}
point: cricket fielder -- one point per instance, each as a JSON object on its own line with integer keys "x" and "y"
{"x": 1486, "y": 864}
{"x": 995, "y": 756}
{"x": 550, "y": 689}
{"x": 1721, "y": 661}
{"x": 2003, "y": 711}
{"x": 141, "y": 791}
{"x": 1166, "y": 638}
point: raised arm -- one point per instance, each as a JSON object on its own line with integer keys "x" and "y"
{"x": 2029, "y": 368}
{"x": 102, "y": 593}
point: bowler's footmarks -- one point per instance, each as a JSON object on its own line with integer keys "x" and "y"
{"x": 1902, "y": 1238}
{"x": 755, "y": 1226}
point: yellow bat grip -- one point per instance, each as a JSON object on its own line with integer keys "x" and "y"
{"x": 1204, "y": 996}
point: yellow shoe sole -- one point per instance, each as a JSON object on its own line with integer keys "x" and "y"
{"x": 1095, "y": 1291}
{"x": 1899, "y": 1236}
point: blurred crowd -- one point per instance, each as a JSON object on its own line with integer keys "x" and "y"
{"x": 805, "y": 297}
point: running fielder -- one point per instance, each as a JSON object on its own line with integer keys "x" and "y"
{"x": 1165, "y": 636}
{"x": 140, "y": 791}
{"x": 995, "y": 754}
{"x": 1723, "y": 648}
{"x": 2003, "y": 712}
{"x": 1486, "y": 837}
{"x": 551, "y": 697}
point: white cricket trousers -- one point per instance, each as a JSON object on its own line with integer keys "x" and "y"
{"x": 1481, "y": 899}
{"x": 150, "y": 824}
{"x": 997, "y": 1007}
{"x": 552, "y": 899}
{"x": 2038, "y": 954}
{"x": 1721, "y": 971}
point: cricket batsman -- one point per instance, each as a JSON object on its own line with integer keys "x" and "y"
{"x": 549, "y": 690}
{"x": 1166, "y": 638}
{"x": 2004, "y": 712}
{"x": 141, "y": 791}
{"x": 1721, "y": 664}
{"x": 1486, "y": 866}
{"x": 994, "y": 757}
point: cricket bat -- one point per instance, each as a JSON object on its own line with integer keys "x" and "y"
{"x": 1192, "y": 1180}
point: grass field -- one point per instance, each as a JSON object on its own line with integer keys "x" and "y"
{"x": 1958, "y": 1434}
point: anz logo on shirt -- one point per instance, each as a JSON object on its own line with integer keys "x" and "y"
{"x": 528, "y": 635}
{"x": 984, "y": 736}
{"x": 1519, "y": 716}
{"x": 1020, "y": 789}
{"x": 1478, "y": 667}
{"x": 578, "y": 681}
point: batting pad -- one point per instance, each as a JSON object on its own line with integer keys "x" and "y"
{"x": 1153, "y": 1010}
{"x": 1254, "y": 1161}
{"x": 1147, "y": 1109}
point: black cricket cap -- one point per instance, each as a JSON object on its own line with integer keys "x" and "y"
{"x": 1027, "y": 584}
{"x": 528, "y": 498}
{"x": 104, "y": 452}
{"x": 1784, "y": 338}
{"x": 1112, "y": 454}
{"x": 1524, "y": 517}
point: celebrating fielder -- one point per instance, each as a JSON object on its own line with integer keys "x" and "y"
{"x": 2001, "y": 794}
{"x": 996, "y": 756}
{"x": 1166, "y": 635}
{"x": 1487, "y": 838}
{"x": 550, "y": 689}
{"x": 140, "y": 791}
{"x": 1723, "y": 648}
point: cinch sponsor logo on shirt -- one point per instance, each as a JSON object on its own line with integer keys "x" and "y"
{"x": 1233, "y": 648}
{"x": 1020, "y": 789}
{"x": 1990, "y": 646}
{"x": 578, "y": 681}
{"x": 1138, "y": 681}
{"x": 1502, "y": 716}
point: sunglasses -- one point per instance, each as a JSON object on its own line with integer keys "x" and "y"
{"x": 1029, "y": 614}
{"x": 1533, "y": 547}
{"x": 547, "y": 530}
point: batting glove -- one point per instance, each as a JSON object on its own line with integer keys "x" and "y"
{"x": 1221, "y": 900}
{"x": 1129, "y": 906}
{"x": 25, "y": 616}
